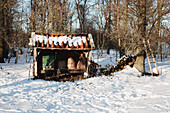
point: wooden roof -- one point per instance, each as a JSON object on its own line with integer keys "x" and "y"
{"x": 62, "y": 41}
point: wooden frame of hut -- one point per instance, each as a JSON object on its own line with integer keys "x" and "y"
{"x": 58, "y": 54}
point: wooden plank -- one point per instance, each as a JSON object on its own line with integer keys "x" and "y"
{"x": 144, "y": 42}
{"x": 148, "y": 57}
{"x": 62, "y": 34}
{"x": 35, "y": 62}
{"x": 88, "y": 49}
{"x": 89, "y": 59}
{"x": 153, "y": 58}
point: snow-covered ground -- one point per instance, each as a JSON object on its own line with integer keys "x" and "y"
{"x": 124, "y": 92}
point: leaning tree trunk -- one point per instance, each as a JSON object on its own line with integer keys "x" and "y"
{"x": 109, "y": 28}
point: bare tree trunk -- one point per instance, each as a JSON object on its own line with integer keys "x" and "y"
{"x": 125, "y": 26}
{"x": 117, "y": 27}
{"x": 16, "y": 59}
{"x": 1, "y": 49}
{"x": 10, "y": 55}
{"x": 81, "y": 11}
{"x": 1, "y": 37}
{"x": 33, "y": 15}
{"x": 109, "y": 29}
{"x": 159, "y": 7}
{"x": 140, "y": 53}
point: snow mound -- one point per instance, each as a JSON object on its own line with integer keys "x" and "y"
{"x": 125, "y": 92}
{"x": 128, "y": 71}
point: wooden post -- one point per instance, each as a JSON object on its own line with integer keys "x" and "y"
{"x": 42, "y": 44}
{"x": 86, "y": 43}
{"x": 120, "y": 49}
{"x": 34, "y": 62}
{"x": 52, "y": 45}
{"x": 47, "y": 41}
{"x": 38, "y": 43}
{"x": 62, "y": 44}
{"x": 67, "y": 46}
{"x": 82, "y": 44}
{"x": 77, "y": 45}
{"x": 89, "y": 59}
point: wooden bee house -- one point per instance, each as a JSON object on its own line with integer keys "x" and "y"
{"x": 58, "y": 54}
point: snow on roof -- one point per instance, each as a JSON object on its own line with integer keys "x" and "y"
{"x": 69, "y": 41}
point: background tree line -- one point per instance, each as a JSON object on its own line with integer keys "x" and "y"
{"x": 118, "y": 24}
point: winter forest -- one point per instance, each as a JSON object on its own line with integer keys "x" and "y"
{"x": 117, "y": 24}
{"x": 120, "y": 30}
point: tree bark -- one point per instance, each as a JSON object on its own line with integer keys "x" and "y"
{"x": 125, "y": 26}
{"x": 140, "y": 53}
{"x": 1, "y": 37}
{"x": 33, "y": 15}
{"x": 1, "y": 50}
{"x": 159, "y": 8}
{"x": 109, "y": 28}
{"x": 140, "y": 60}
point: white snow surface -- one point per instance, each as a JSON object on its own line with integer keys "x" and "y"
{"x": 125, "y": 92}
